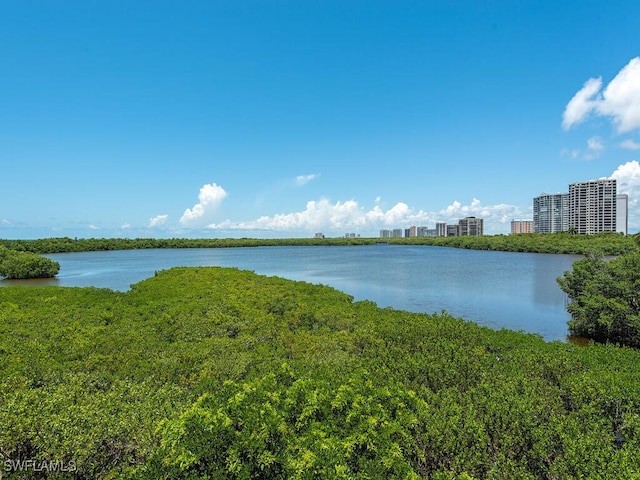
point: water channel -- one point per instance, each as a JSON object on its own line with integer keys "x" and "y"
{"x": 517, "y": 291}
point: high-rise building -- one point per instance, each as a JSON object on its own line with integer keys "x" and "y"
{"x": 453, "y": 230}
{"x": 522, "y": 226}
{"x": 410, "y": 232}
{"x": 470, "y": 226}
{"x": 622, "y": 213}
{"x": 592, "y": 206}
{"x": 551, "y": 213}
{"x": 441, "y": 229}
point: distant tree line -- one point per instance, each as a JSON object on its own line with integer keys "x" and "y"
{"x": 606, "y": 243}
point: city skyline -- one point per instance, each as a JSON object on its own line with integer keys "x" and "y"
{"x": 252, "y": 119}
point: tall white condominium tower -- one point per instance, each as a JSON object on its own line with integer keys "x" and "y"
{"x": 592, "y": 206}
{"x": 551, "y": 213}
{"x": 622, "y": 213}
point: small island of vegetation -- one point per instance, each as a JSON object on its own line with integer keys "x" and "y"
{"x": 16, "y": 264}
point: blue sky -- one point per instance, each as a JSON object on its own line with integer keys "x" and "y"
{"x": 286, "y": 118}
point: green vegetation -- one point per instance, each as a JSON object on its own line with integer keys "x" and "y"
{"x": 219, "y": 373}
{"x": 607, "y": 243}
{"x": 605, "y": 298}
{"x": 21, "y": 265}
{"x": 565, "y": 243}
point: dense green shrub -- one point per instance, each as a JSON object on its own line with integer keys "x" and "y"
{"x": 22, "y": 265}
{"x": 605, "y": 298}
{"x": 219, "y": 373}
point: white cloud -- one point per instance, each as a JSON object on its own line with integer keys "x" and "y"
{"x": 6, "y": 222}
{"x": 494, "y": 216}
{"x": 322, "y": 215}
{"x": 157, "y": 221}
{"x": 94, "y": 227}
{"x": 317, "y": 214}
{"x": 125, "y": 226}
{"x": 595, "y": 144}
{"x": 628, "y": 181}
{"x": 304, "y": 179}
{"x": 581, "y": 104}
{"x": 630, "y": 145}
{"x": 209, "y": 199}
{"x": 573, "y": 153}
{"x": 620, "y": 100}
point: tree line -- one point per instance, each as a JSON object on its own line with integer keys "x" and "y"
{"x": 607, "y": 243}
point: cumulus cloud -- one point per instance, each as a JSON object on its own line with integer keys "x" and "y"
{"x": 630, "y": 145}
{"x": 209, "y": 199}
{"x": 620, "y": 100}
{"x": 494, "y": 216}
{"x": 304, "y": 179}
{"x": 316, "y": 215}
{"x": 627, "y": 176}
{"x": 322, "y": 215}
{"x": 157, "y": 221}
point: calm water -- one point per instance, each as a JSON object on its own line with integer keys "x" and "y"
{"x": 498, "y": 289}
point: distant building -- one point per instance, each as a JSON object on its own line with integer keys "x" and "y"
{"x": 385, "y": 233}
{"x": 521, "y": 226}
{"x": 351, "y": 235}
{"x": 622, "y": 213}
{"x": 593, "y": 206}
{"x": 441, "y": 229}
{"x": 470, "y": 226}
{"x": 551, "y": 213}
{"x": 410, "y": 232}
{"x": 453, "y": 231}
{"x": 396, "y": 233}
{"x": 319, "y": 235}
{"x": 421, "y": 232}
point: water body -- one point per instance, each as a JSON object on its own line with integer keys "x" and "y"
{"x": 517, "y": 291}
